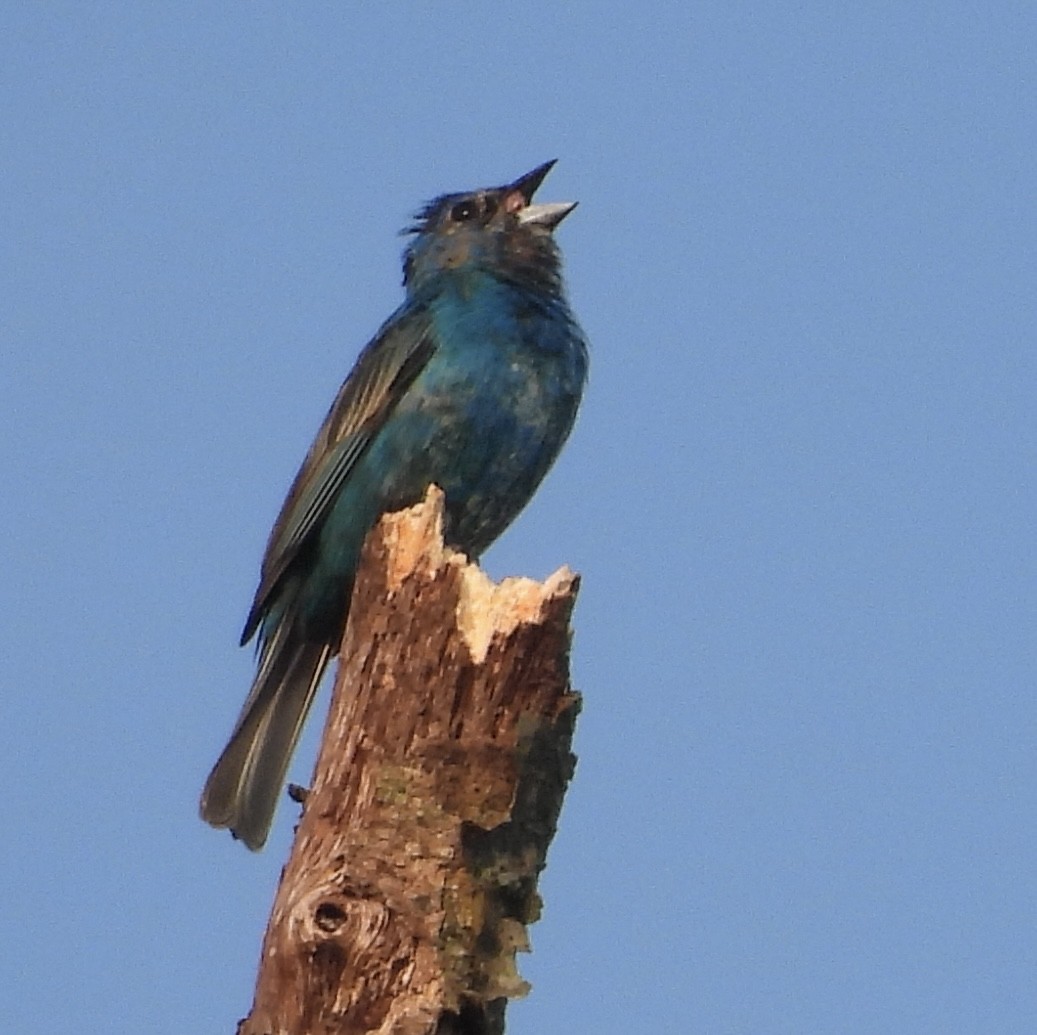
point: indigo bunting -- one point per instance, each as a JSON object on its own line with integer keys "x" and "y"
{"x": 472, "y": 384}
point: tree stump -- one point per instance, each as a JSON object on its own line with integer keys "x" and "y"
{"x": 441, "y": 774}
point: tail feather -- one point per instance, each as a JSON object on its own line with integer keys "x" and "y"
{"x": 244, "y": 785}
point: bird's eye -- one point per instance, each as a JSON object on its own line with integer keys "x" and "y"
{"x": 463, "y": 211}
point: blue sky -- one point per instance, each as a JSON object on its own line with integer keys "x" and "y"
{"x": 801, "y": 490}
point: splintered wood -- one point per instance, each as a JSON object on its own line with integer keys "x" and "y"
{"x": 441, "y": 774}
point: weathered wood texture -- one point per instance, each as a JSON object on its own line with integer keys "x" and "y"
{"x": 441, "y": 774}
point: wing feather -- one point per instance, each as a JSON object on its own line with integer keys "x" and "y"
{"x": 384, "y": 370}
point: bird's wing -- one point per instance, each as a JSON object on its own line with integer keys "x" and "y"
{"x": 384, "y": 371}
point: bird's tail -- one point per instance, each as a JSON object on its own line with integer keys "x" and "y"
{"x": 243, "y": 787}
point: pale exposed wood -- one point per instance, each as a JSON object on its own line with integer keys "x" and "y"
{"x": 441, "y": 774}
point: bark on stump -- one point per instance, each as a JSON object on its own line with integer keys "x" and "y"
{"x": 441, "y": 773}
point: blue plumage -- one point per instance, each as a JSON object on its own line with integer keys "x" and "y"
{"x": 472, "y": 384}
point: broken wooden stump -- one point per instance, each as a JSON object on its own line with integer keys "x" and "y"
{"x": 440, "y": 777}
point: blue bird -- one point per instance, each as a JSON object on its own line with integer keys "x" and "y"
{"x": 472, "y": 384}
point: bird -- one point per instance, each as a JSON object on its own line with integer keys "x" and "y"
{"x": 472, "y": 384}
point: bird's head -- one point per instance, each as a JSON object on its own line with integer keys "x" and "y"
{"x": 497, "y": 229}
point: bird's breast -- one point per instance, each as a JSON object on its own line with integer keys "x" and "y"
{"x": 489, "y": 412}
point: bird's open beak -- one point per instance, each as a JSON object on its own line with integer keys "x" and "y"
{"x": 547, "y": 215}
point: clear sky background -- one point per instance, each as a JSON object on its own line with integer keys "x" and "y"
{"x": 801, "y": 489}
